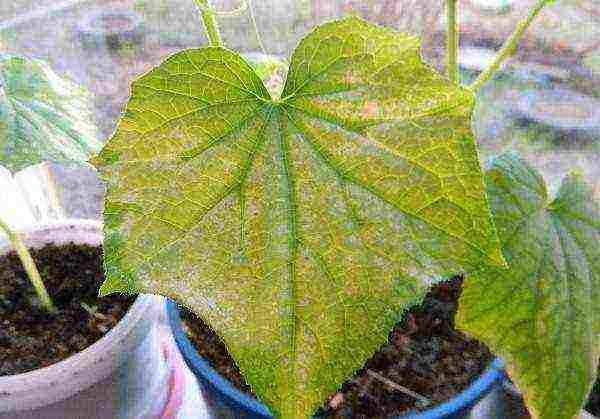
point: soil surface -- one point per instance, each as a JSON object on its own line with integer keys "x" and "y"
{"x": 30, "y": 338}
{"x": 424, "y": 353}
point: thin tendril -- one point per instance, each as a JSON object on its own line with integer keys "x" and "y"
{"x": 253, "y": 20}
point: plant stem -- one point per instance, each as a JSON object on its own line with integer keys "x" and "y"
{"x": 452, "y": 40}
{"x": 210, "y": 23}
{"x": 509, "y": 47}
{"x": 30, "y": 267}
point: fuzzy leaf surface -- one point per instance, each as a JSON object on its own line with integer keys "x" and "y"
{"x": 42, "y": 116}
{"x": 299, "y": 227}
{"x": 542, "y": 315}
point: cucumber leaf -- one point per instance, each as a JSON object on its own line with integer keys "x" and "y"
{"x": 42, "y": 116}
{"x": 543, "y": 314}
{"x": 301, "y": 226}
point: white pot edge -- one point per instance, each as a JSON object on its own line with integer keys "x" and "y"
{"x": 62, "y": 380}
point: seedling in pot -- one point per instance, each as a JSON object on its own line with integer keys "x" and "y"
{"x": 301, "y": 226}
{"x": 42, "y": 117}
{"x": 30, "y": 267}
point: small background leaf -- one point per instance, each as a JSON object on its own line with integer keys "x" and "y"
{"x": 42, "y": 116}
{"x": 300, "y": 228}
{"x": 543, "y": 314}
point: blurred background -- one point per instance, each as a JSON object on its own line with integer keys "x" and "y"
{"x": 545, "y": 104}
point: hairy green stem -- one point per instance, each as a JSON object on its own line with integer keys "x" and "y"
{"x": 509, "y": 46}
{"x": 30, "y": 267}
{"x": 452, "y": 40}
{"x": 210, "y": 23}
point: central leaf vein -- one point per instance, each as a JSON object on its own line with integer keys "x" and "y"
{"x": 568, "y": 308}
{"x": 284, "y": 155}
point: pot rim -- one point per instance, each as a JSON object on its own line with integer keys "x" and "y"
{"x": 492, "y": 376}
{"x": 90, "y": 358}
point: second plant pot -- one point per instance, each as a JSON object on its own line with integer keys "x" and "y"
{"x": 125, "y": 374}
{"x": 226, "y": 401}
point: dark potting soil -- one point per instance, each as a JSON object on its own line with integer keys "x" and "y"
{"x": 424, "y": 353}
{"x": 31, "y": 338}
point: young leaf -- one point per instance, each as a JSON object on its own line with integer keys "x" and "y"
{"x": 42, "y": 116}
{"x": 543, "y": 314}
{"x": 302, "y": 227}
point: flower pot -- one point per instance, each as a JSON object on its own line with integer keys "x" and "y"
{"x": 575, "y": 116}
{"x": 226, "y": 401}
{"x": 127, "y": 373}
{"x": 494, "y": 7}
{"x": 110, "y": 27}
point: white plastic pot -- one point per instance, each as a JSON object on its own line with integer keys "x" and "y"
{"x": 134, "y": 371}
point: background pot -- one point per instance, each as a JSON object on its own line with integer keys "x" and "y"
{"x": 125, "y": 374}
{"x": 226, "y": 401}
{"x": 110, "y": 27}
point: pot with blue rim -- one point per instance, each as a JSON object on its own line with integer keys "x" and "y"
{"x": 478, "y": 397}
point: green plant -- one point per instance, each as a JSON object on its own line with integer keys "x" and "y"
{"x": 542, "y": 315}
{"x": 301, "y": 226}
{"x": 29, "y": 265}
{"x": 42, "y": 117}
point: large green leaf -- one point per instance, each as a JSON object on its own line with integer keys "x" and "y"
{"x": 299, "y": 227}
{"x": 42, "y": 116}
{"x": 543, "y": 314}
